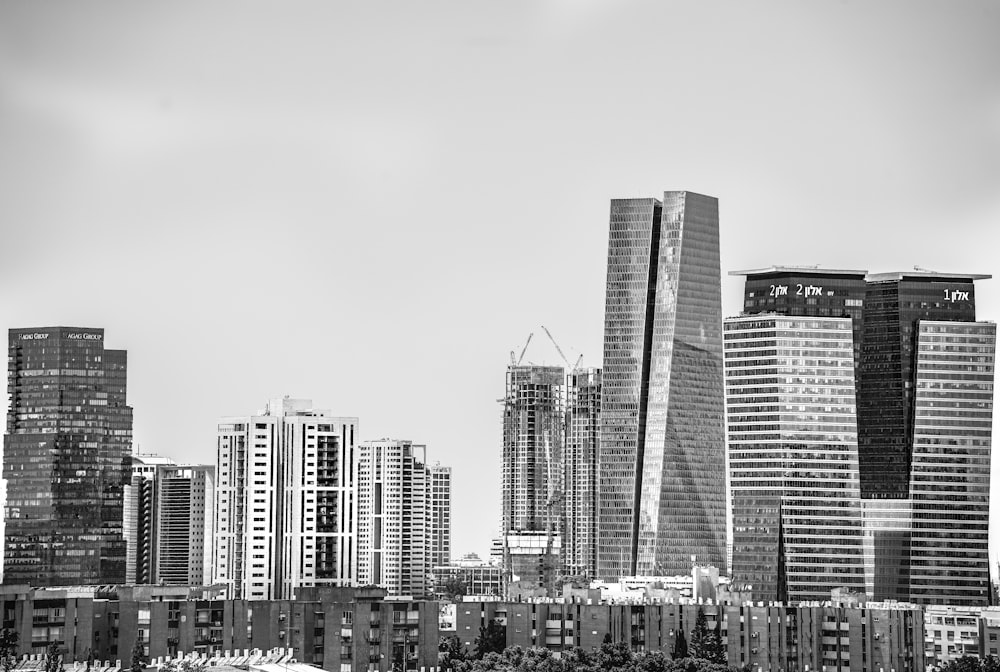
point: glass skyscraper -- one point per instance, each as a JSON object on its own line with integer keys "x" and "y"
{"x": 662, "y": 494}
{"x": 925, "y": 409}
{"x": 923, "y": 385}
{"x": 67, "y": 453}
{"x": 793, "y": 453}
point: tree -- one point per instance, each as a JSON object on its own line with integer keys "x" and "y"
{"x": 717, "y": 649}
{"x": 492, "y": 639}
{"x": 680, "y": 646}
{"x": 450, "y": 653}
{"x": 53, "y": 659}
{"x": 614, "y": 656}
{"x": 700, "y": 636}
{"x": 454, "y": 588}
{"x": 138, "y": 662}
{"x": 8, "y": 649}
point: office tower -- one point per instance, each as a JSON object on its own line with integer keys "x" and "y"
{"x": 185, "y": 499}
{"x": 583, "y": 432}
{"x": 284, "y": 495}
{"x": 439, "y": 512}
{"x": 532, "y": 483}
{"x": 793, "y": 454}
{"x": 392, "y": 523}
{"x": 925, "y": 407}
{"x": 66, "y": 457}
{"x": 139, "y": 518}
{"x": 662, "y": 492}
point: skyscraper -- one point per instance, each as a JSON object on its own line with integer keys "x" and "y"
{"x": 925, "y": 408}
{"x": 66, "y": 457}
{"x": 439, "y": 512}
{"x": 140, "y": 518}
{"x": 393, "y": 519}
{"x": 583, "y": 434}
{"x": 922, "y": 390}
{"x": 793, "y": 454}
{"x": 662, "y": 493}
{"x": 283, "y": 501}
{"x": 185, "y": 501}
{"x": 532, "y": 484}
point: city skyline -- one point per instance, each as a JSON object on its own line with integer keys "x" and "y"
{"x": 166, "y": 190}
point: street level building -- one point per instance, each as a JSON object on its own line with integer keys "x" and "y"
{"x": 337, "y": 629}
{"x": 662, "y": 492}
{"x": 67, "y": 450}
{"x": 285, "y": 492}
{"x": 833, "y": 635}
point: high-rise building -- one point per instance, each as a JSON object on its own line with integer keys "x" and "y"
{"x": 793, "y": 454}
{"x": 285, "y": 481}
{"x": 439, "y": 511}
{"x": 533, "y": 472}
{"x": 185, "y": 501}
{"x": 925, "y": 409}
{"x": 393, "y": 520}
{"x": 583, "y": 434}
{"x": 66, "y": 457}
{"x": 140, "y": 518}
{"x": 662, "y": 493}
{"x": 922, "y": 388}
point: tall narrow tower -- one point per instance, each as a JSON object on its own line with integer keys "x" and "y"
{"x": 583, "y": 433}
{"x": 66, "y": 457}
{"x": 662, "y": 456}
{"x": 533, "y": 424}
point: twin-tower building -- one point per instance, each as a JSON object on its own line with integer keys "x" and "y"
{"x": 850, "y": 411}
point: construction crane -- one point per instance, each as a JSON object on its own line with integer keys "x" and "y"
{"x": 523, "y": 350}
{"x": 561, "y": 354}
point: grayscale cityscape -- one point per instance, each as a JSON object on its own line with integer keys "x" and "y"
{"x": 293, "y": 297}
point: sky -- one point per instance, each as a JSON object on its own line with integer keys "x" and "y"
{"x": 370, "y": 204}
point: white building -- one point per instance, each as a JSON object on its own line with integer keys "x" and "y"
{"x": 284, "y": 493}
{"x": 402, "y": 522}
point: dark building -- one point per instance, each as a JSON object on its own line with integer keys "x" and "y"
{"x": 66, "y": 457}
{"x": 332, "y": 628}
{"x": 662, "y": 493}
{"x": 834, "y": 635}
{"x": 925, "y": 399}
{"x": 922, "y": 387}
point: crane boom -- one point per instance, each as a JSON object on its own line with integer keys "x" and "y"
{"x": 558, "y": 349}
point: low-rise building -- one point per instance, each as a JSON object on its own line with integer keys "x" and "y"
{"x": 834, "y": 635}
{"x": 338, "y": 629}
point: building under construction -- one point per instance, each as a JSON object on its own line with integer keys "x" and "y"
{"x": 533, "y": 433}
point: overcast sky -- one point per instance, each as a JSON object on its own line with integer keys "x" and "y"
{"x": 371, "y": 204}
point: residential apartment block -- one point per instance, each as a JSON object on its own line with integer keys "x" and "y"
{"x": 284, "y": 500}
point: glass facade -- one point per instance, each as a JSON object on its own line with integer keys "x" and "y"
{"x": 797, "y": 518}
{"x": 67, "y": 453}
{"x": 662, "y": 454}
{"x": 950, "y": 478}
{"x": 923, "y": 383}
